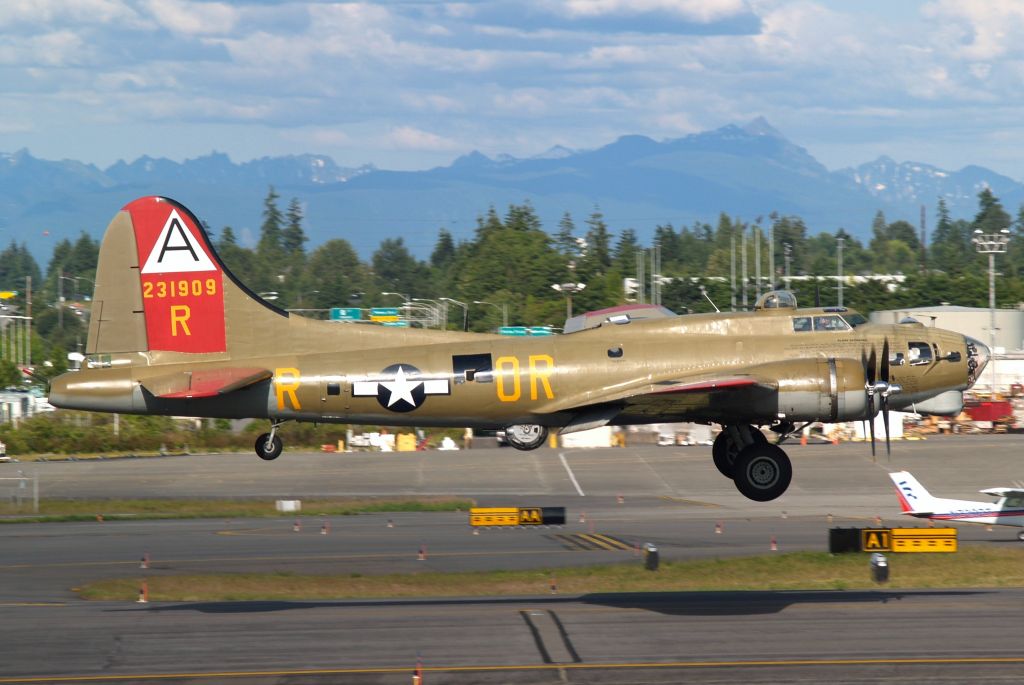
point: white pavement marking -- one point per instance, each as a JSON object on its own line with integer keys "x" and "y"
{"x": 561, "y": 455}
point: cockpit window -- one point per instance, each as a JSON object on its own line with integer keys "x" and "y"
{"x": 919, "y": 353}
{"x": 1015, "y": 501}
{"x": 801, "y": 323}
{"x": 831, "y": 322}
{"x": 855, "y": 319}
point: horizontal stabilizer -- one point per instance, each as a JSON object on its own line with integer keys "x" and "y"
{"x": 205, "y": 383}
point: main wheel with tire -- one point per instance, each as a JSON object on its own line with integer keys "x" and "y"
{"x": 762, "y": 471}
{"x": 724, "y": 449}
{"x": 526, "y": 436}
{"x": 268, "y": 449}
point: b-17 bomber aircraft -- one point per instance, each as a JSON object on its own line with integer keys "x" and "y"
{"x": 173, "y": 332}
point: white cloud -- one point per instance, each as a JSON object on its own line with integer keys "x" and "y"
{"x": 982, "y": 29}
{"x": 693, "y": 10}
{"x": 56, "y": 49}
{"x": 72, "y": 12}
{"x": 194, "y": 18}
{"x": 413, "y": 138}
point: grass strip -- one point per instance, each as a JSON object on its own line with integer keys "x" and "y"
{"x": 135, "y": 509}
{"x": 973, "y": 567}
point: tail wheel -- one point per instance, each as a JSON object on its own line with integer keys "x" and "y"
{"x": 762, "y": 472}
{"x": 526, "y": 436}
{"x": 269, "y": 447}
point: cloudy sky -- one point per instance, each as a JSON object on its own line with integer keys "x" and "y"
{"x": 410, "y": 85}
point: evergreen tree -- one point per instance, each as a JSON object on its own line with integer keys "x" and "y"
{"x": 565, "y": 240}
{"x": 444, "y": 251}
{"x": 269, "y": 249}
{"x": 596, "y": 258}
{"x": 624, "y": 259}
{"x": 293, "y": 238}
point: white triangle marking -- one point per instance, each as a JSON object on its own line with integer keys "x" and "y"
{"x": 177, "y": 250}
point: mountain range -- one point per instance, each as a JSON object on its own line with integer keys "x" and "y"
{"x": 636, "y": 182}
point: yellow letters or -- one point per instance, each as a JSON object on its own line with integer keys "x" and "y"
{"x": 504, "y": 376}
{"x": 286, "y": 382}
{"x": 541, "y": 366}
{"x": 180, "y": 314}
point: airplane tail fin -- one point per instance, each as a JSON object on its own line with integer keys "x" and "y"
{"x": 161, "y": 288}
{"x": 914, "y": 498}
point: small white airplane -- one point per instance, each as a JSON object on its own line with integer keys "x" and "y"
{"x": 916, "y": 501}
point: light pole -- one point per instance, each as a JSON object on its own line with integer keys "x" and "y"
{"x": 405, "y": 298}
{"x": 788, "y": 254}
{"x": 569, "y": 289}
{"x": 465, "y": 311}
{"x": 839, "y": 266}
{"x": 435, "y": 308}
{"x": 991, "y": 244}
{"x": 503, "y": 307}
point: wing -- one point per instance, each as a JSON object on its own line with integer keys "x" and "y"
{"x": 205, "y": 383}
{"x": 707, "y": 395}
{"x": 1002, "y": 492}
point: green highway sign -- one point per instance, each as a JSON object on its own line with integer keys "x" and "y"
{"x": 346, "y": 313}
{"x": 512, "y": 330}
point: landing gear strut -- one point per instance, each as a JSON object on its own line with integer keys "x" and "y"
{"x": 269, "y": 445}
{"x": 760, "y": 470}
{"x": 730, "y": 441}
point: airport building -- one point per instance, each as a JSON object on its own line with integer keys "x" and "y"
{"x": 1008, "y": 352}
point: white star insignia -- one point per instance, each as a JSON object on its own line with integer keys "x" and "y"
{"x": 401, "y": 388}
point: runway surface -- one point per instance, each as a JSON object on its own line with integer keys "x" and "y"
{"x": 672, "y": 497}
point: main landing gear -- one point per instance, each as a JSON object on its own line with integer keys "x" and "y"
{"x": 760, "y": 470}
{"x": 269, "y": 445}
{"x": 526, "y": 436}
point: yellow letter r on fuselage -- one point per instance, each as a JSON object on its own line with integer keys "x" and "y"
{"x": 286, "y": 382}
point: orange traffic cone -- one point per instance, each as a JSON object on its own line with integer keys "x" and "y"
{"x": 718, "y": 527}
{"x": 803, "y": 440}
{"x": 391, "y": 524}
{"x": 553, "y": 585}
{"x": 621, "y": 499}
{"x": 144, "y": 562}
{"x": 774, "y": 546}
{"x": 143, "y": 593}
{"x": 325, "y": 528}
{"x": 417, "y": 674}
{"x": 422, "y": 556}
{"x": 297, "y": 526}
{"x": 583, "y": 517}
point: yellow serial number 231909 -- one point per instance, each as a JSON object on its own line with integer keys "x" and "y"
{"x": 182, "y": 288}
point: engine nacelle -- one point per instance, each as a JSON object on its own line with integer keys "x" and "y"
{"x": 828, "y": 390}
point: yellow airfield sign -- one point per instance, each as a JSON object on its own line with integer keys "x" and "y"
{"x": 908, "y": 540}
{"x": 516, "y": 516}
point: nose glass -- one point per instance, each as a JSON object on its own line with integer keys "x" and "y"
{"x": 978, "y": 355}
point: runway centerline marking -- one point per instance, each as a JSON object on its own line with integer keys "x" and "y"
{"x": 572, "y": 477}
{"x": 592, "y": 666}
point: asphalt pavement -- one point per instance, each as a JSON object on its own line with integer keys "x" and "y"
{"x": 672, "y": 497}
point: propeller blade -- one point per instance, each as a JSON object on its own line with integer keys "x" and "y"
{"x": 885, "y": 361}
{"x": 885, "y": 423}
{"x": 884, "y": 403}
{"x": 872, "y": 368}
{"x": 871, "y": 420}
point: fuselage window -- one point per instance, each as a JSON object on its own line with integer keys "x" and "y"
{"x": 801, "y": 323}
{"x": 919, "y": 353}
{"x": 855, "y": 319}
{"x": 830, "y": 323}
